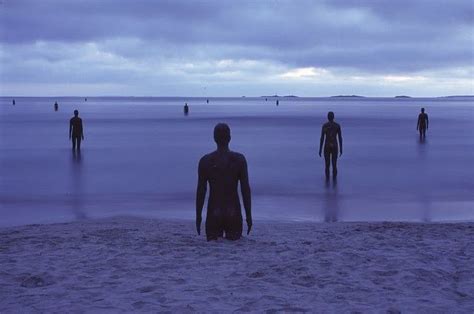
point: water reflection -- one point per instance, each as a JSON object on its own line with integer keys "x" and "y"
{"x": 77, "y": 189}
{"x": 331, "y": 202}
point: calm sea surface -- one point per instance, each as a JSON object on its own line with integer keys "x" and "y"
{"x": 140, "y": 157}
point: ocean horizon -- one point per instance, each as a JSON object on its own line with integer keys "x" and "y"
{"x": 141, "y": 159}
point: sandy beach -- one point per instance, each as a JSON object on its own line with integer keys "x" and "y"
{"x": 128, "y": 264}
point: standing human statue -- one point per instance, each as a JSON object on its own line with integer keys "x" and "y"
{"x": 186, "y": 109}
{"x": 330, "y": 136}
{"x": 223, "y": 169}
{"x": 76, "y": 131}
{"x": 422, "y": 124}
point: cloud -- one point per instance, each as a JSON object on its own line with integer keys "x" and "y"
{"x": 235, "y": 44}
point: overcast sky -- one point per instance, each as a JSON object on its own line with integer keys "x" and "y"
{"x": 234, "y": 48}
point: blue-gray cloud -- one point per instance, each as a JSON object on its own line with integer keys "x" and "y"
{"x": 369, "y": 37}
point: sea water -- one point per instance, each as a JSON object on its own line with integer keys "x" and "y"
{"x": 140, "y": 157}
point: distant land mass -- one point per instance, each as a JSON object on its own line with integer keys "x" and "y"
{"x": 290, "y": 96}
{"x": 347, "y": 96}
{"x": 402, "y": 96}
{"x": 458, "y": 96}
{"x": 271, "y": 96}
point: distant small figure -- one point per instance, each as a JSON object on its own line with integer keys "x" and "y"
{"x": 277, "y": 102}
{"x": 331, "y": 131}
{"x": 56, "y": 106}
{"x": 186, "y": 109}
{"x": 207, "y": 100}
{"x": 13, "y": 102}
{"x": 266, "y": 99}
{"x": 85, "y": 99}
{"x": 422, "y": 124}
{"x": 76, "y": 132}
{"x": 223, "y": 169}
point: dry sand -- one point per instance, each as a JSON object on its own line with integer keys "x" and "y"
{"x": 132, "y": 265}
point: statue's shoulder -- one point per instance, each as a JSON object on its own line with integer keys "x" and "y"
{"x": 237, "y": 156}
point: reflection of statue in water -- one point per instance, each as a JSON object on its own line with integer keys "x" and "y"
{"x": 77, "y": 191}
{"x": 331, "y": 206}
{"x": 186, "y": 109}
{"x": 422, "y": 124}
{"x": 331, "y": 132}
{"x": 76, "y": 131}
{"x": 223, "y": 169}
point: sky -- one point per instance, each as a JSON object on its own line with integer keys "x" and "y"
{"x": 236, "y": 48}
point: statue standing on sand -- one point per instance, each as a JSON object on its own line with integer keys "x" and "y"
{"x": 76, "y": 132}
{"x": 331, "y": 132}
{"x": 422, "y": 124}
{"x": 223, "y": 169}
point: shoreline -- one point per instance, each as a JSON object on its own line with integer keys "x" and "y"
{"x": 137, "y": 264}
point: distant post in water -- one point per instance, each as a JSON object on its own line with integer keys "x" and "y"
{"x": 13, "y": 102}
{"x": 330, "y": 134}
{"x": 422, "y": 124}
{"x": 223, "y": 169}
{"x": 186, "y": 109}
{"x": 56, "y": 106}
{"x": 277, "y": 102}
{"x": 76, "y": 131}
{"x": 207, "y": 100}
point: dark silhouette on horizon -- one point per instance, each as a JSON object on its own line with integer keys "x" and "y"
{"x": 330, "y": 136}
{"x": 207, "y": 100}
{"x": 56, "y": 106}
{"x": 277, "y": 102}
{"x": 76, "y": 132}
{"x": 223, "y": 169}
{"x": 422, "y": 124}
{"x": 13, "y": 102}
{"x": 186, "y": 109}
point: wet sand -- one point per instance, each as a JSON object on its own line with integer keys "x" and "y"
{"x": 128, "y": 264}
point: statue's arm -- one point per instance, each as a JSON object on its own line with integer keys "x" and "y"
{"x": 339, "y": 135}
{"x": 246, "y": 193}
{"x": 200, "y": 193}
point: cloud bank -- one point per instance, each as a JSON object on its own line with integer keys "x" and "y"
{"x": 225, "y": 48}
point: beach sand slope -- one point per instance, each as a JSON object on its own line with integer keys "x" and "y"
{"x": 128, "y": 264}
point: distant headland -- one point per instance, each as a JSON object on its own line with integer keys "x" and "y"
{"x": 278, "y": 96}
{"x": 347, "y": 96}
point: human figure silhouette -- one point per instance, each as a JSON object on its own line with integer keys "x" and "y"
{"x": 13, "y": 102}
{"x": 186, "y": 109}
{"x": 207, "y": 100}
{"x": 277, "y": 102}
{"x": 56, "y": 106}
{"x": 76, "y": 132}
{"x": 422, "y": 124}
{"x": 223, "y": 169}
{"x": 331, "y": 132}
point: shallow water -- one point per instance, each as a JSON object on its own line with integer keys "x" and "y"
{"x": 140, "y": 157}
